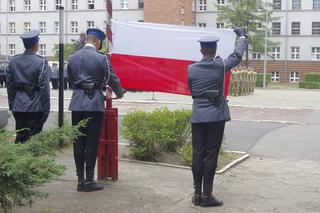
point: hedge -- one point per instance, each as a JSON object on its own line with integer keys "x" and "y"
{"x": 151, "y": 133}
{"x": 259, "y": 82}
{"x": 312, "y": 77}
{"x": 309, "y": 85}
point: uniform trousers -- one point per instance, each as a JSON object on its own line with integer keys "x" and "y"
{"x": 206, "y": 143}
{"x": 27, "y": 125}
{"x": 85, "y": 148}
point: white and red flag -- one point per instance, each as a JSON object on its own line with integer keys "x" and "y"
{"x": 155, "y": 57}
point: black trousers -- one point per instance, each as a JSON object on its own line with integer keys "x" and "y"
{"x": 55, "y": 83}
{"x": 2, "y": 80}
{"x": 206, "y": 143}
{"x": 27, "y": 125}
{"x": 85, "y": 149}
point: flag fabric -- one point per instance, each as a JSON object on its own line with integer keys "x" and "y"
{"x": 155, "y": 57}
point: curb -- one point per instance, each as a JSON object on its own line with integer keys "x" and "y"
{"x": 221, "y": 171}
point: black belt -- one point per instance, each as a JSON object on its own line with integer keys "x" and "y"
{"x": 29, "y": 89}
{"x": 88, "y": 88}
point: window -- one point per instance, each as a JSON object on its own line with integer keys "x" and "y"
{"x": 43, "y": 49}
{"x": 56, "y": 27}
{"x": 58, "y": 4}
{"x": 91, "y": 4}
{"x": 124, "y": 4}
{"x": 90, "y": 24}
{"x": 202, "y": 24}
{"x": 315, "y": 28}
{"x": 27, "y": 5}
{"x": 202, "y": 5}
{"x": 43, "y": 27}
{"x": 74, "y": 4}
{"x": 315, "y": 51}
{"x": 295, "y": 28}
{"x": 182, "y": 10}
{"x": 12, "y": 27}
{"x": 259, "y": 26}
{"x": 220, "y": 2}
{"x": 27, "y": 26}
{"x": 277, "y": 4}
{"x": 316, "y": 4}
{"x": 12, "y": 5}
{"x": 220, "y": 25}
{"x": 12, "y": 49}
{"x": 295, "y": 52}
{"x": 141, "y": 4}
{"x": 294, "y": 77}
{"x": 276, "y": 28}
{"x": 256, "y": 55}
{"x": 296, "y": 4}
{"x": 43, "y": 5}
{"x": 74, "y": 27}
{"x": 275, "y": 76}
{"x": 276, "y": 52}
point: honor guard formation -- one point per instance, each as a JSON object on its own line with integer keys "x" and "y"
{"x": 88, "y": 72}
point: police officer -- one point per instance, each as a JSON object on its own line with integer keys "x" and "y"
{"x": 55, "y": 76}
{"x": 209, "y": 113}
{"x": 2, "y": 76}
{"x": 88, "y": 70}
{"x": 28, "y": 88}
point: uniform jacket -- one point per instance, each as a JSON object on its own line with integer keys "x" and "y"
{"x": 28, "y": 68}
{"x": 55, "y": 72}
{"x": 89, "y": 66}
{"x": 208, "y": 74}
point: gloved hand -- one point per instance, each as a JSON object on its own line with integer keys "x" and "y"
{"x": 122, "y": 93}
{"x": 240, "y": 32}
{"x": 44, "y": 117}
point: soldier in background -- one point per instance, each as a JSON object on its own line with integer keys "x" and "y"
{"x": 28, "y": 87}
{"x": 209, "y": 113}
{"x": 88, "y": 71}
{"x": 55, "y": 76}
{"x": 2, "y": 76}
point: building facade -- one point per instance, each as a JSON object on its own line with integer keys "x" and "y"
{"x": 297, "y": 31}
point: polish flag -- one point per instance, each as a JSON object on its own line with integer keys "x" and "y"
{"x": 155, "y": 57}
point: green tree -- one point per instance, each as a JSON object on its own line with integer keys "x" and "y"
{"x": 250, "y": 15}
{"x": 68, "y": 50}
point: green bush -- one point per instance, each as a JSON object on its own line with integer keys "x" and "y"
{"x": 309, "y": 85}
{"x": 151, "y": 133}
{"x": 312, "y": 77}
{"x": 259, "y": 82}
{"x": 25, "y": 167}
{"x": 186, "y": 153}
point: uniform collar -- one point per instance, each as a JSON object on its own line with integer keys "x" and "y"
{"x": 207, "y": 58}
{"x": 30, "y": 52}
{"x": 90, "y": 45}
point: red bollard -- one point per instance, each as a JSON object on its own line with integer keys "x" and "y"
{"x": 108, "y": 146}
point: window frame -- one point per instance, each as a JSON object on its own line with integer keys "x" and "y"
{"x": 294, "y": 77}
{"x": 202, "y": 7}
{"x": 275, "y": 76}
{"x": 295, "y": 30}
{"x": 295, "y": 53}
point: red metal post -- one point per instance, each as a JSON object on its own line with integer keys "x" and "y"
{"x": 108, "y": 147}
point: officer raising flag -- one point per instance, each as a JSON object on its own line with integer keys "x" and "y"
{"x": 206, "y": 81}
{"x": 28, "y": 88}
{"x": 88, "y": 71}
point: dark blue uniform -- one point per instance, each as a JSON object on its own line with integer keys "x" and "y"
{"x": 209, "y": 114}
{"x": 28, "y": 89}
{"x": 88, "y": 70}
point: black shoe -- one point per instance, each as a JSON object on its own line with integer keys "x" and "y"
{"x": 209, "y": 201}
{"x": 90, "y": 186}
{"x": 80, "y": 186}
{"x": 196, "y": 198}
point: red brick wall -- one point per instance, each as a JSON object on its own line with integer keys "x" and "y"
{"x": 292, "y": 66}
{"x": 168, "y": 12}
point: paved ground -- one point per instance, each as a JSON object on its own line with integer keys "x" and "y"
{"x": 279, "y": 128}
